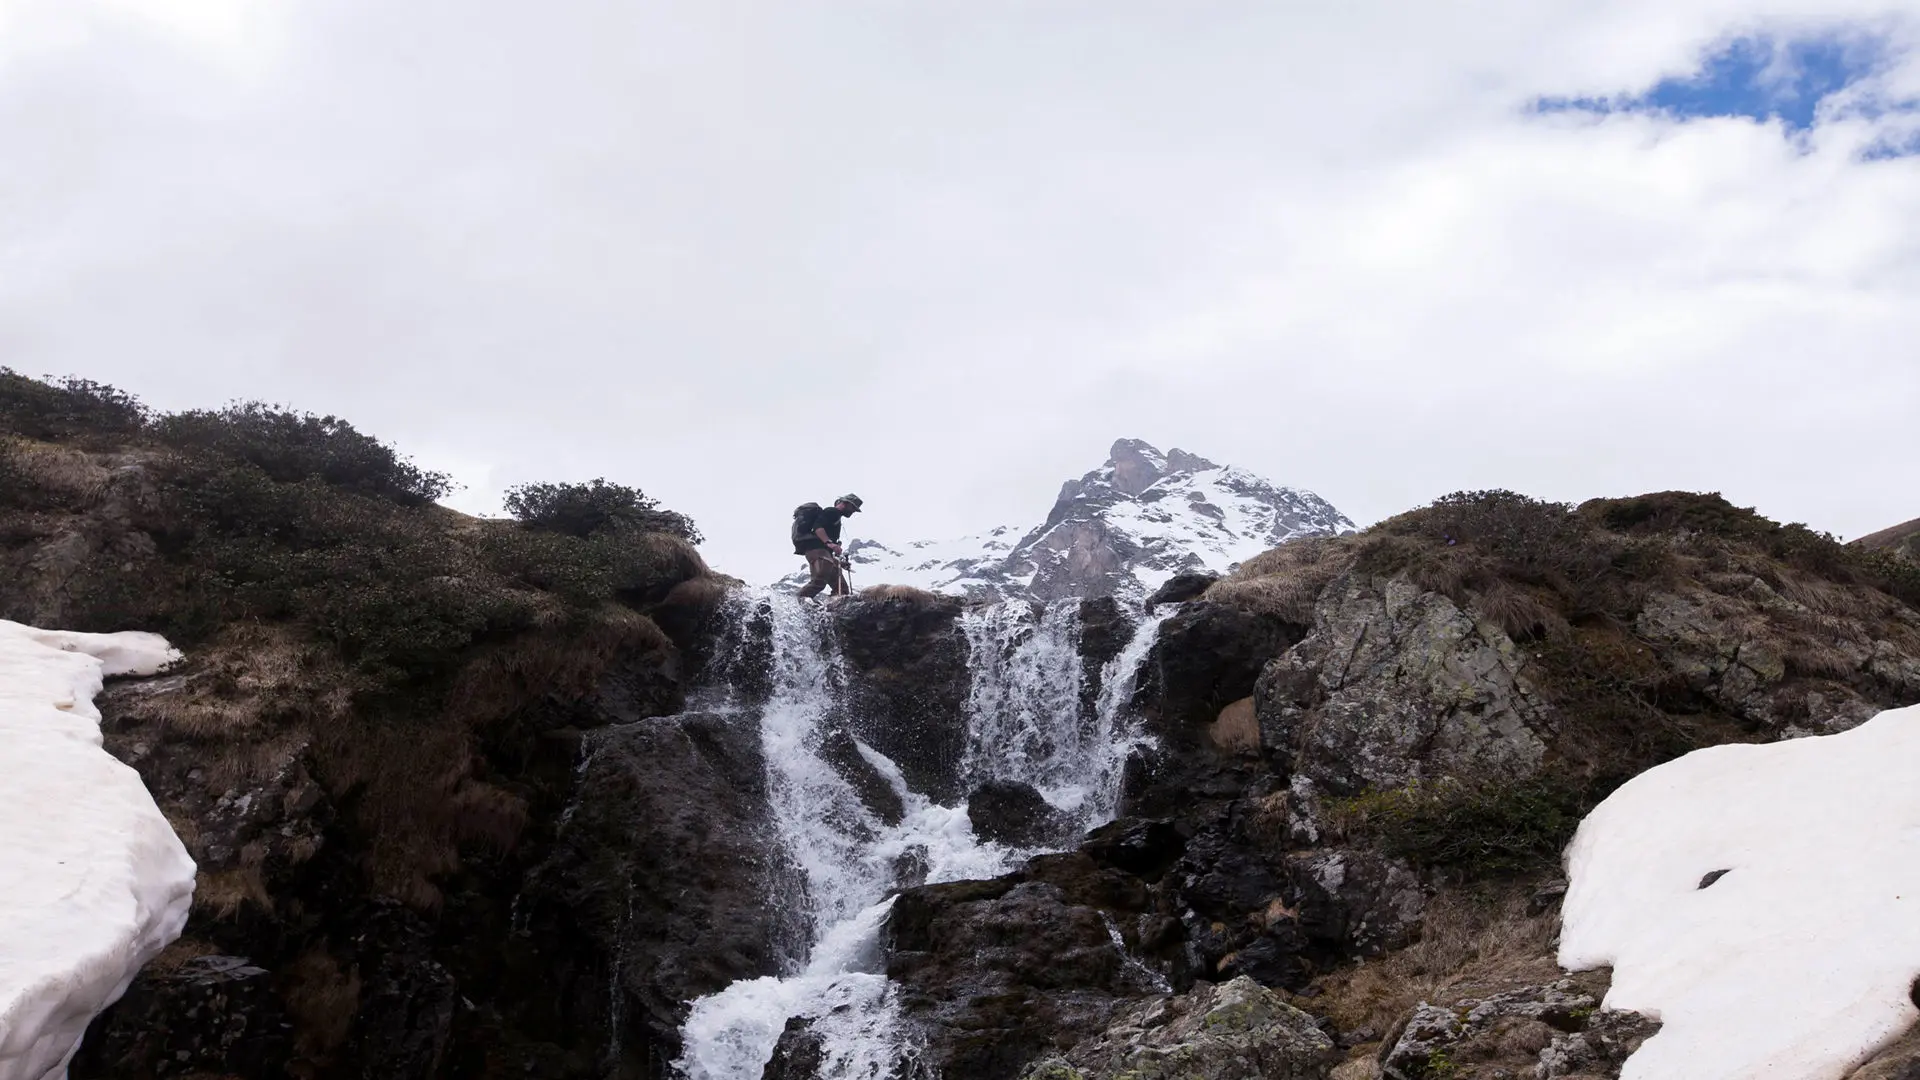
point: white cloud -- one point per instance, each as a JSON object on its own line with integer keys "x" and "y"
{"x": 747, "y": 254}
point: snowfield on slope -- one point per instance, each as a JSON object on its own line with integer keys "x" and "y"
{"x": 93, "y": 881}
{"x": 1762, "y": 902}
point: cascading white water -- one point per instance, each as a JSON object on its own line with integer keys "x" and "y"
{"x": 1023, "y": 708}
{"x": 1025, "y": 723}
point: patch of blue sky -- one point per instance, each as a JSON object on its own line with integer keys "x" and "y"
{"x": 1758, "y": 77}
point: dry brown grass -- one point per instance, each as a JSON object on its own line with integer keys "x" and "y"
{"x": 323, "y": 999}
{"x": 670, "y": 558}
{"x": 1521, "y": 614}
{"x": 502, "y": 679}
{"x": 1470, "y": 943}
{"x": 222, "y": 894}
{"x": 701, "y": 593}
{"x": 906, "y": 592}
{"x": 1237, "y": 729}
{"x": 1287, "y": 581}
{"x": 251, "y": 681}
{"x": 401, "y": 775}
{"x": 175, "y": 956}
{"x": 74, "y": 477}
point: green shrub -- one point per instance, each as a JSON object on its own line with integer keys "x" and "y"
{"x": 1477, "y": 830}
{"x": 582, "y": 510}
{"x": 290, "y": 447}
{"x": 1678, "y": 511}
{"x": 66, "y": 408}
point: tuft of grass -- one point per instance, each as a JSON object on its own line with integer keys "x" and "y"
{"x": 921, "y": 597}
{"x": 1286, "y": 581}
{"x": 1479, "y": 939}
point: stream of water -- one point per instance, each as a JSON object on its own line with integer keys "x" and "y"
{"x": 1026, "y": 723}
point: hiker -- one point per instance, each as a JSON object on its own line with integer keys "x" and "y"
{"x": 816, "y": 535}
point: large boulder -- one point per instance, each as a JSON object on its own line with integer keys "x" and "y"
{"x": 993, "y": 974}
{"x": 1181, "y": 588}
{"x": 1233, "y": 1031}
{"x": 1013, "y": 813}
{"x": 906, "y": 661}
{"x": 658, "y": 886}
{"x": 1208, "y": 656}
{"x": 1364, "y": 902}
{"x": 1774, "y": 662}
{"x": 1397, "y": 684}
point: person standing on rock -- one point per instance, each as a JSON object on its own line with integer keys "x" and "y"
{"x": 816, "y": 535}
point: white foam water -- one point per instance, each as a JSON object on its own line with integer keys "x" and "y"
{"x": 1025, "y": 723}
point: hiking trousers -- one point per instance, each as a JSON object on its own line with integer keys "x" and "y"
{"x": 826, "y": 571}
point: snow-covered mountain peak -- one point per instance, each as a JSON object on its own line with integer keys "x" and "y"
{"x": 1121, "y": 529}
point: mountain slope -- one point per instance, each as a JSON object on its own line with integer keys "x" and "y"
{"x": 1120, "y": 530}
{"x": 1902, "y": 538}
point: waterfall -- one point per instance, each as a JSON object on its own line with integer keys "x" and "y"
{"x": 1025, "y": 723}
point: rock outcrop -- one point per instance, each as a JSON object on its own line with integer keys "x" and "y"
{"x": 906, "y": 661}
{"x": 1230, "y": 1031}
{"x": 1551, "y": 1031}
{"x": 1396, "y": 684}
{"x": 661, "y": 883}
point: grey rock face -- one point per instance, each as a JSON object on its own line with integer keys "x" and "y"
{"x": 1233, "y": 1031}
{"x": 1395, "y": 684}
{"x": 1368, "y": 902}
{"x": 1542, "y": 1032}
{"x": 1726, "y": 646}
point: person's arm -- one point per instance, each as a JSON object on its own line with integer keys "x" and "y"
{"x": 825, "y": 539}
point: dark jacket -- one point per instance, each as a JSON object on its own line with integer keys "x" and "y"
{"x": 826, "y": 518}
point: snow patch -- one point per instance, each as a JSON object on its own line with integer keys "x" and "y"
{"x": 1763, "y": 902}
{"x": 93, "y": 881}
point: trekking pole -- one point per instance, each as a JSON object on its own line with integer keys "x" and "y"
{"x": 846, "y": 571}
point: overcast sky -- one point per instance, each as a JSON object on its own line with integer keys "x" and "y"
{"x": 743, "y": 255}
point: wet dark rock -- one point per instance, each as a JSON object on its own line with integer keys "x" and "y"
{"x": 799, "y": 1053}
{"x": 1209, "y": 655}
{"x": 212, "y": 1013}
{"x": 1009, "y": 812}
{"x": 665, "y": 869}
{"x": 1181, "y": 588}
{"x": 1106, "y": 629}
{"x": 1144, "y": 848}
{"x": 907, "y": 694}
{"x": 407, "y": 999}
{"x": 842, "y": 752}
{"x": 996, "y": 973}
{"x": 1363, "y": 902}
{"x": 639, "y": 685}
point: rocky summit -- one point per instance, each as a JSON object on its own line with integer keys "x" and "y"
{"x": 1124, "y": 529}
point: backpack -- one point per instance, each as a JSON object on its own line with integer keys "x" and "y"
{"x": 803, "y": 518}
